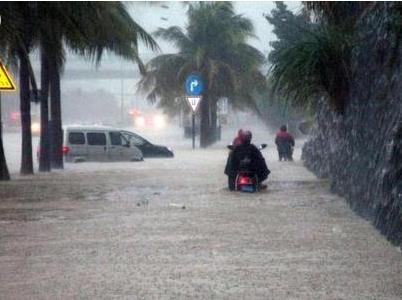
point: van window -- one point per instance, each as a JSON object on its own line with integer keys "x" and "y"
{"x": 96, "y": 138}
{"x": 134, "y": 139}
{"x": 115, "y": 138}
{"x": 76, "y": 138}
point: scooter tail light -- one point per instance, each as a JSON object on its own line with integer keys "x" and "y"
{"x": 244, "y": 180}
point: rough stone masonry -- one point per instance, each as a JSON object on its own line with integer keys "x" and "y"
{"x": 361, "y": 150}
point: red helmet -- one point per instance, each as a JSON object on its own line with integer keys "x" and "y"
{"x": 247, "y": 136}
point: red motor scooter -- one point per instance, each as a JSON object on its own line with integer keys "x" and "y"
{"x": 246, "y": 181}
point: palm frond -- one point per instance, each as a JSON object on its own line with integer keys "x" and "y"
{"x": 175, "y": 35}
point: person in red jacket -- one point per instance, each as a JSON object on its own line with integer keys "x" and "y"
{"x": 285, "y": 143}
{"x": 238, "y": 139}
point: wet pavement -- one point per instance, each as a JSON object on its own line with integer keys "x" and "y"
{"x": 169, "y": 229}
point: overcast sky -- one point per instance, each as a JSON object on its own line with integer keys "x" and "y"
{"x": 152, "y": 15}
{"x": 149, "y": 16}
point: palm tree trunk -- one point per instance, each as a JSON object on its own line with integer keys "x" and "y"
{"x": 204, "y": 126}
{"x": 214, "y": 118}
{"x": 4, "y": 174}
{"x": 55, "y": 114}
{"x": 44, "y": 154}
{"x": 25, "y": 108}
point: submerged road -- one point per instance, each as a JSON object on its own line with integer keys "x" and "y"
{"x": 168, "y": 228}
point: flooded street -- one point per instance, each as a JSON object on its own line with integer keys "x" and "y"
{"x": 108, "y": 99}
{"x": 169, "y": 228}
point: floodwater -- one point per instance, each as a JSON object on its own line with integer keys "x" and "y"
{"x": 169, "y": 229}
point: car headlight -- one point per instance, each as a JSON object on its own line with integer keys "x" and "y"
{"x": 35, "y": 127}
{"x": 139, "y": 121}
{"x": 159, "y": 121}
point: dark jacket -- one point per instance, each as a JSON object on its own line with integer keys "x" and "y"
{"x": 257, "y": 162}
{"x": 284, "y": 141}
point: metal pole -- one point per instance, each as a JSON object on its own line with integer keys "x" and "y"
{"x": 193, "y": 129}
{"x": 122, "y": 93}
{"x": 1, "y": 120}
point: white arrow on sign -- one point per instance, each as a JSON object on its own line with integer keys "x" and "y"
{"x": 194, "y": 101}
{"x": 193, "y": 84}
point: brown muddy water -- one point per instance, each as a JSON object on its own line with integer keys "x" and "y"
{"x": 169, "y": 229}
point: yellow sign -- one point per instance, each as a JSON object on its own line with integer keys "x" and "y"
{"x": 6, "y": 82}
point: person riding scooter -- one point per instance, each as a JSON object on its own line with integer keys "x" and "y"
{"x": 246, "y": 151}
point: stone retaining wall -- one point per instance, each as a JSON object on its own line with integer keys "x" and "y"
{"x": 361, "y": 150}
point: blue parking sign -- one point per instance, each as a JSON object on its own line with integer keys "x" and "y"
{"x": 194, "y": 85}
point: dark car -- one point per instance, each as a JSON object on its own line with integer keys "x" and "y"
{"x": 148, "y": 149}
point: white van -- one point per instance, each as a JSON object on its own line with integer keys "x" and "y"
{"x": 98, "y": 143}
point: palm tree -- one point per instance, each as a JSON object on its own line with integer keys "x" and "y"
{"x": 18, "y": 35}
{"x": 44, "y": 157}
{"x": 88, "y": 29}
{"x": 5, "y": 39}
{"x": 45, "y": 44}
{"x": 214, "y": 46}
{"x": 317, "y": 62}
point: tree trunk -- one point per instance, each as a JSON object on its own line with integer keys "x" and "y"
{"x": 213, "y": 108}
{"x": 55, "y": 115}
{"x": 213, "y": 111}
{"x": 4, "y": 175}
{"x": 44, "y": 154}
{"x": 25, "y": 108}
{"x": 204, "y": 126}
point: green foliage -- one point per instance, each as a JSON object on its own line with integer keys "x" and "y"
{"x": 315, "y": 65}
{"x": 314, "y": 62}
{"x": 17, "y": 30}
{"x": 105, "y": 26}
{"x": 87, "y": 28}
{"x": 287, "y": 28}
{"x": 338, "y": 13}
{"x": 213, "y": 45}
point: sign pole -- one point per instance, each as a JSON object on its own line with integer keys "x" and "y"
{"x": 193, "y": 86}
{"x": 1, "y": 120}
{"x": 193, "y": 129}
{"x": 6, "y": 83}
